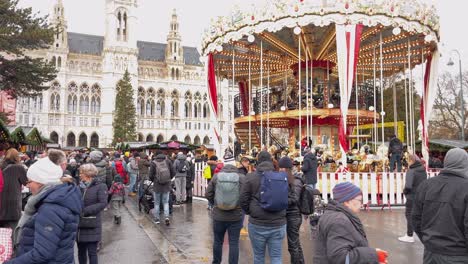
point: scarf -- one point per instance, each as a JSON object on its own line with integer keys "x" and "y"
{"x": 29, "y": 210}
{"x": 351, "y": 216}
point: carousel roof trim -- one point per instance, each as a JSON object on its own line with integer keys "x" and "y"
{"x": 411, "y": 16}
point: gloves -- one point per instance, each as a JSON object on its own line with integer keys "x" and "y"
{"x": 382, "y": 256}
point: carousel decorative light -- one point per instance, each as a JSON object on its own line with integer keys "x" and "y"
{"x": 251, "y": 38}
{"x": 283, "y": 108}
{"x": 297, "y": 30}
{"x": 252, "y": 113}
{"x": 371, "y": 108}
{"x": 382, "y": 113}
{"x": 330, "y": 106}
{"x": 396, "y": 31}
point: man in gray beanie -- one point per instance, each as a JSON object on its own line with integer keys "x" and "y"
{"x": 439, "y": 216}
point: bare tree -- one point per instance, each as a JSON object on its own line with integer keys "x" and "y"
{"x": 446, "y": 121}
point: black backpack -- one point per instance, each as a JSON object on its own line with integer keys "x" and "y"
{"x": 306, "y": 199}
{"x": 182, "y": 167}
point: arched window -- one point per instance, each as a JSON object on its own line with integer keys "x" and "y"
{"x": 160, "y": 108}
{"x": 174, "y": 138}
{"x": 187, "y": 140}
{"x": 188, "y": 109}
{"x": 172, "y": 73}
{"x": 125, "y": 27}
{"x": 174, "y": 108}
{"x": 141, "y": 106}
{"x": 84, "y": 105}
{"x": 206, "y": 140}
{"x": 206, "y": 110}
{"x": 55, "y": 102}
{"x": 71, "y": 140}
{"x": 149, "y": 138}
{"x": 72, "y": 103}
{"x": 83, "y": 140}
{"x": 140, "y": 137}
{"x": 54, "y": 61}
{"x": 150, "y": 107}
{"x": 119, "y": 25}
{"x": 54, "y": 137}
{"x": 160, "y": 139}
{"x": 59, "y": 62}
{"x": 196, "y": 140}
{"x": 93, "y": 105}
{"x": 94, "y": 141}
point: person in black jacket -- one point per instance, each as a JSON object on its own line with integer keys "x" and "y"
{"x": 309, "y": 167}
{"x": 394, "y": 150}
{"x": 94, "y": 201}
{"x": 414, "y": 177}
{"x": 244, "y": 168}
{"x": 440, "y": 214}
{"x": 266, "y": 228}
{"x": 293, "y": 215}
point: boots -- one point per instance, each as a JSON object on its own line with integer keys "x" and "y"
{"x": 117, "y": 220}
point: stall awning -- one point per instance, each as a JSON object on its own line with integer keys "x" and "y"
{"x": 17, "y": 134}
{"x": 33, "y": 137}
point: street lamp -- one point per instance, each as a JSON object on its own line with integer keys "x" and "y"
{"x": 462, "y": 101}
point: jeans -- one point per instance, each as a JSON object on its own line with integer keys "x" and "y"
{"x": 180, "y": 183}
{"x": 433, "y": 258}
{"x": 157, "y": 203}
{"x": 133, "y": 178}
{"x": 263, "y": 236}
{"x": 85, "y": 250}
{"x": 312, "y": 185}
{"x": 408, "y": 209}
{"x": 294, "y": 243}
{"x": 395, "y": 158}
{"x": 219, "y": 229}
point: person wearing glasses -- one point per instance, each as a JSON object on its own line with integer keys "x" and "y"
{"x": 341, "y": 236}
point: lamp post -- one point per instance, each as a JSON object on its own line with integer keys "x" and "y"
{"x": 462, "y": 101}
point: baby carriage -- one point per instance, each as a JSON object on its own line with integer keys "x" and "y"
{"x": 146, "y": 202}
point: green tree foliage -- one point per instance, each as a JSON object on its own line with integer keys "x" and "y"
{"x": 21, "y": 30}
{"x": 125, "y": 114}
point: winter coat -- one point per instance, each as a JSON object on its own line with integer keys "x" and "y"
{"x": 14, "y": 176}
{"x": 340, "y": 232}
{"x": 309, "y": 167}
{"x": 94, "y": 201}
{"x": 132, "y": 166}
{"x": 49, "y": 235}
{"x": 190, "y": 176}
{"x": 395, "y": 146}
{"x": 439, "y": 215}
{"x": 181, "y": 158}
{"x": 250, "y": 200}
{"x": 74, "y": 172}
{"x": 224, "y": 215}
{"x": 293, "y": 196}
{"x": 104, "y": 172}
{"x": 243, "y": 170}
{"x": 161, "y": 188}
{"x": 143, "y": 167}
{"x": 414, "y": 177}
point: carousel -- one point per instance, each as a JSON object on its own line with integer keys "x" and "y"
{"x": 315, "y": 71}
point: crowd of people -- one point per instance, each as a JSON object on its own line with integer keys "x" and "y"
{"x": 69, "y": 194}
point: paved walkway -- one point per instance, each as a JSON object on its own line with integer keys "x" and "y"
{"x": 189, "y": 237}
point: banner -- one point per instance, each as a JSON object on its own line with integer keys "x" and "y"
{"x": 348, "y": 40}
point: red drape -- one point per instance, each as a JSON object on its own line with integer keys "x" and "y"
{"x": 212, "y": 90}
{"x": 244, "y": 97}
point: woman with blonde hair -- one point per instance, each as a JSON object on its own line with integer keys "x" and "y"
{"x": 14, "y": 176}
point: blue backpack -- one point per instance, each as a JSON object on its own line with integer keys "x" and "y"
{"x": 274, "y": 191}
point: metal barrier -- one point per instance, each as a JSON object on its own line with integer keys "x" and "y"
{"x": 378, "y": 189}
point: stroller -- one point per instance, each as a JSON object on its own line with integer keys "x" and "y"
{"x": 146, "y": 202}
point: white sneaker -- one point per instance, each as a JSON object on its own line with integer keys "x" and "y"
{"x": 407, "y": 239}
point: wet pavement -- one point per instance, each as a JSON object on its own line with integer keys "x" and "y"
{"x": 189, "y": 237}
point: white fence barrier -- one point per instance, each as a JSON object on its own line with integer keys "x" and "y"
{"x": 378, "y": 189}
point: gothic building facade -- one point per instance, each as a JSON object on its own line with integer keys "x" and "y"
{"x": 168, "y": 79}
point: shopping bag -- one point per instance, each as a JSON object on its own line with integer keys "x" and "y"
{"x": 6, "y": 244}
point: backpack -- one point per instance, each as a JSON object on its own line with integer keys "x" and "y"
{"x": 274, "y": 191}
{"x": 119, "y": 168}
{"x": 227, "y": 191}
{"x": 163, "y": 174}
{"x": 117, "y": 189}
{"x": 182, "y": 167}
{"x": 207, "y": 172}
{"x": 306, "y": 199}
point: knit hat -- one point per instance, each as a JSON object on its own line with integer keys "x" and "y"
{"x": 263, "y": 156}
{"x": 285, "y": 162}
{"x": 72, "y": 160}
{"x": 44, "y": 171}
{"x": 230, "y": 161}
{"x": 345, "y": 191}
{"x": 117, "y": 178}
{"x": 96, "y": 155}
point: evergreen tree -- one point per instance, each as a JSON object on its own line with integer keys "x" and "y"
{"x": 21, "y": 30}
{"x": 125, "y": 114}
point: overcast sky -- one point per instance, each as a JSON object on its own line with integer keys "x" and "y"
{"x": 87, "y": 16}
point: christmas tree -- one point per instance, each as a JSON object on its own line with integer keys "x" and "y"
{"x": 125, "y": 114}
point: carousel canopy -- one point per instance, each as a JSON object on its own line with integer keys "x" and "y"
{"x": 408, "y": 31}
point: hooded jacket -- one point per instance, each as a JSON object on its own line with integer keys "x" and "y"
{"x": 94, "y": 202}
{"x": 414, "y": 177}
{"x": 49, "y": 236}
{"x": 157, "y": 187}
{"x": 440, "y": 216}
{"x": 309, "y": 167}
{"x": 218, "y": 214}
{"x": 250, "y": 200}
{"x": 340, "y": 232}
{"x": 181, "y": 158}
